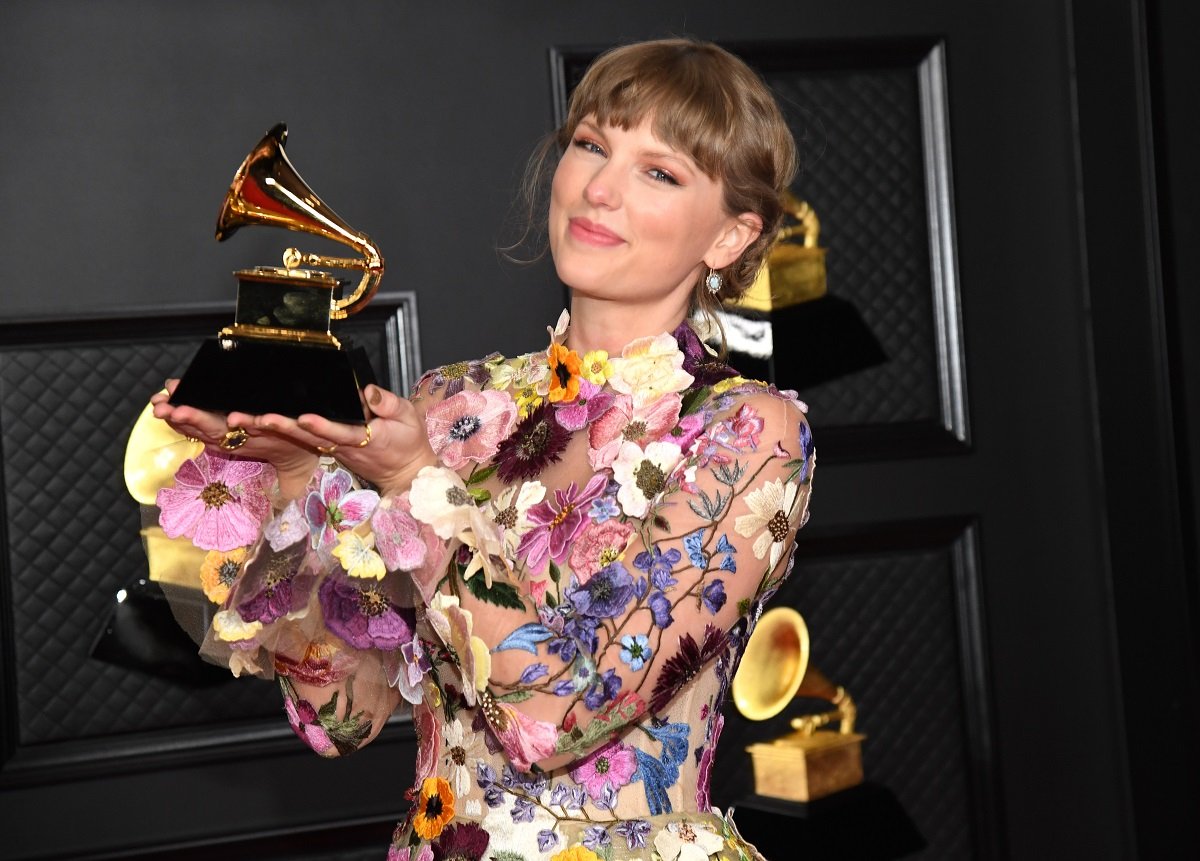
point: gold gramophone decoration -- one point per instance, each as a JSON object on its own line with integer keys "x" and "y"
{"x": 813, "y": 760}
{"x": 794, "y": 270}
{"x": 280, "y": 355}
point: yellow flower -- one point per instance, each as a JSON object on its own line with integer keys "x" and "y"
{"x": 576, "y": 853}
{"x": 596, "y": 367}
{"x": 527, "y": 399}
{"x": 228, "y": 626}
{"x": 357, "y": 555}
{"x": 648, "y": 369}
{"x": 725, "y": 385}
{"x": 219, "y": 572}
{"x": 564, "y": 374}
{"x": 435, "y": 807}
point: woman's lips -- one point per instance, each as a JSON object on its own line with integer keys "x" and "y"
{"x": 593, "y": 234}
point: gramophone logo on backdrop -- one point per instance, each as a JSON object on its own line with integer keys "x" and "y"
{"x": 279, "y": 356}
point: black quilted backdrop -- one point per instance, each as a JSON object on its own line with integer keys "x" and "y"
{"x": 886, "y": 627}
{"x": 862, "y": 170}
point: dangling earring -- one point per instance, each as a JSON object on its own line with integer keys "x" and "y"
{"x": 714, "y": 282}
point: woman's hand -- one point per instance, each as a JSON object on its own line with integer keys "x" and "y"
{"x": 388, "y": 449}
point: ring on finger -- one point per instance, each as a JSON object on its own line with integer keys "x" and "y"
{"x": 234, "y": 439}
{"x": 327, "y": 449}
{"x": 367, "y": 439}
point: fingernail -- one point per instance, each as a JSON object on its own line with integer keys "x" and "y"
{"x": 376, "y": 395}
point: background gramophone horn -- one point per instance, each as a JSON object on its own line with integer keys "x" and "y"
{"x": 267, "y": 190}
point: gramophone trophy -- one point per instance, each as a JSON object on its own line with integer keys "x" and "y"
{"x": 812, "y": 761}
{"x": 279, "y": 355}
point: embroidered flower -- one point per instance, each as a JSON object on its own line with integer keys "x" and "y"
{"x": 597, "y": 836}
{"x": 455, "y": 375}
{"x": 564, "y": 374}
{"x": 509, "y": 510}
{"x": 643, "y": 474}
{"x": 407, "y": 673}
{"x": 399, "y": 539}
{"x": 625, "y": 422}
{"x": 463, "y": 841}
{"x": 286, "y": 529}
{"x": 469, "y": 426}
{"x": 439, "y": 498}
{"x": 648, "y": 369}
{"x": 741, "y": 431}
{"x": 525, "y": 739}
{"x": 404, "y": 853}
{"x": 635, "y": 832}
{"x": 358, "y": 557}
{"x": 434, "y": 808}
{"x": 455, "y": 743}
{"x": 363, "y": 614}
{"x": 713, "y": 596}
{"x": 590, "y": 402}
{"x": 686, "y": 841}
{"x": 575, "y": 853}
{"x": 698, "y": 359}
{"x": 659, "y": 564}
{"x": 612, "y": 765}
{"x": 453, "y": 625}
{"x": 323, "y": 664}
{"x": 305, "y": 723}
{"x": 217, "y": 502}
{"x": 685, "y": 665}
{"x": 598, "y": 546}
{"x": 770, "y": 506}
{"x": 636, "y": 650}
{"x": 704, "y": 767}
{"x": 604, "y": 508}
{"x": 275, "y": 586}
{"x": 336, "y": 507}
{"x": 595, "y": 366}
{"x": 536, "y": 442}
{"x": 556, "y": 522}
{"x": 219, "y": 572}
{"x": 229, "y": 627}
{"x": 605, "y": 595}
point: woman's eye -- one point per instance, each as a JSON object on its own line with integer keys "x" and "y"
{"x": 660, "y": 175}
{"x": 589, "y": 146}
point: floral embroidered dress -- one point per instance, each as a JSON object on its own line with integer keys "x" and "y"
{"x": 562, "y": 602}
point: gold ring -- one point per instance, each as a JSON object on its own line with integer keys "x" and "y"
{"x": 327, "y": 449}
{"x": 368, "y": 438}
{"x": 234, "y": 439}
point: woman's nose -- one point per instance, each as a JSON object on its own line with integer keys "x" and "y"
{"x": 602, "y": 189}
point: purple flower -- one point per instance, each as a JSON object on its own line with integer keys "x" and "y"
{"x": 603, "y": 691}
{"x": 635, "y": 832}
{"x": 536, "y": 442}
{"x": 547, "y": 839}
{"x": 335, "y": 507}
{"x": 275, "y": 585}
{"x": 218, "y": 502}
{"x": 713, "y": 596}
{"x": 455, "y": 375}
{"x": 658, "y": 565}
{"x": 806, "y": 447}
{"x": 604, "y": 508}
{"x": 363, "y": 615}
{"x": 522, "y": 810}
{"x": 660, "y": 608}
{"x": 556, "y": 523}
{"x": 595, "y": 837}
{"x": 697, "y": 361}
{"x": 605, "y": 595}
{"x": 534, "y": 672}
{"x": 463, "y": 841}
{"x": 686, "y": 664}
{"x": 589, "y": 403}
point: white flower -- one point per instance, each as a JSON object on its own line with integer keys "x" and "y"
{"x": 439, "y": 498}
{"x": 456, "y": 742}
{"x": 453, "y": 625}
{"x": 228, "y": 626}
{"x": 357, "y": 555}
{"x": 770, "y": 505}
{"x": 509, "y": 510}
{"x": 643, "y": 474}
{"x": 686, "y": 841}
{"x": 649, "y": 368}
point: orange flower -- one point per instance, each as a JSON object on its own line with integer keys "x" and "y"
{"x": 219, "y": 571}
{"x": 435, "y": 807}
{"x": 576, "y": 853}
{"x": 564, "y": 374}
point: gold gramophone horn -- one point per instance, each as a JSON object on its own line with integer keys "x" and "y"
{"x": 267, "y": 190}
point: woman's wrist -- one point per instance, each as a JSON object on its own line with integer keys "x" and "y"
{"x": 403, "y": 480}
{"x": 294, "y": 476}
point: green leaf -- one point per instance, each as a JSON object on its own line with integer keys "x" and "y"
{"x": 481, "y": 475}
{"x": 555, "y": 574}
{"x": 480, "y": 494}
{"x": 501, "y": 594}
{"x": 514, "y": 697}
{"x": 328, "y": 712}
{"x": 694, "y": 399}
{"x": 743, "y": 606}
{"x": 507, "y": 855}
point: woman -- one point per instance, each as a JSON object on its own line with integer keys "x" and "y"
{"x": 555, "y": 558}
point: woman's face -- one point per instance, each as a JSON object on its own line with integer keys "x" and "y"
{"x": 632, "y": 219}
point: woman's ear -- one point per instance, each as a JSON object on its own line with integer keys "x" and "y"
{"x": 733, "y": 240}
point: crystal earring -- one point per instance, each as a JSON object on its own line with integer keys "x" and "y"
{"x": 714, "y": 282}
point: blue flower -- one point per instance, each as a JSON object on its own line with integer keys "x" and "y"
{"x": 635, "y": 650}
{"x": 693, "y": 543}
{"x": 595, "y": 837}
{"x": 728, "y": 564}
{"x": 806, "y": 446}
{"x": 485, "y": 775}
{"x": 723, "y": 545}
{"x": 658, "y": 565}
{"x": 603, "y": 509}
{"x": 635, "y": 832}
{"x": 605, "y": 595}
{"x": 660, "y": 608}
{"x": 534, "y": 672}
{"x": 522, "y": 810}
{"x": 713, "y": 596}
{"x": 604, "y": 690}
{"x": 547, "y": 838}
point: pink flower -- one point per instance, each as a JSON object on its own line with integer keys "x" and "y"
{"x": 399, "y": 539}
{"x": 397, "y": 853}
{"x": 336, "y": 508}
{"x": 470, "y": 426}
{"x": 556, "y": 522}
{"x": 686, "y": 430}
{"x": 218, "y": 502}
{"x": 429, "y": 740}
{"x": 627, "y": 422}
{"x": 741, "y": 431}
{"x": 614, "y": 764}
{"x": 525, "y": 739}
{"x": 704, "y": 777}
{"x": 305, "y": 723}
{"x": 706, "y": 450}
{"x": 598, "y": 546}
{"x": 589, "y": 403}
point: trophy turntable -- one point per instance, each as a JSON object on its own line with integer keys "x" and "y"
{"x": 280, "y": 356}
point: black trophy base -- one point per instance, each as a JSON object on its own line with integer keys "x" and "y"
{"x": 865, "y": 822}
{"x": 261, "y": 377}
